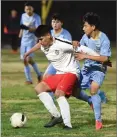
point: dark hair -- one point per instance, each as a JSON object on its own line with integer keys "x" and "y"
{"x": 57, "y": 16}
{"x": 42, "y": 30}
{"x": 29, "y": 4}
{"x": 92, "y": 19}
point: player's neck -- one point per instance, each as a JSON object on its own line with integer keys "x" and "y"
{"x": 58, "y": 31}
{"x": 95, "y": 34}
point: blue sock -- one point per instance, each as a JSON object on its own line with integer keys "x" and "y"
{"x": 102, "y": 96}
{"x": 83, "y": 96}
{"x": 35, "y": 67}
{"x": 96, "y": 100}
{"x": 27, "y": 73}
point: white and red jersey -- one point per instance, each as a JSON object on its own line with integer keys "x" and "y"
{"x": 60, "y": 54}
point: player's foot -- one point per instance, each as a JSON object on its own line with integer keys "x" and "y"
{"x": 103, "y": 97}
{"x": 53, "y": 122}
{"x": 98, "y": 125}
{"x": 67, "y": 128}
{"x": 28, "y": 82}
{"x": 39, "y": 78}
{"x": 14, "y": 51}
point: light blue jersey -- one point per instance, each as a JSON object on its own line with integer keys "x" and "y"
{"x": 64, "y": 34}
{"x": 94, "y": 70}
{"x": 28, "y": 39}
{"x": 100, "y": 45}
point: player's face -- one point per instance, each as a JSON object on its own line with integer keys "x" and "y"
{"x": 13, "y": 13}
{"x": 88, "y": 29}
{"x": 45, "y": 40}
{"x": 56, "y": 24}
{"x": 29, "y": 10}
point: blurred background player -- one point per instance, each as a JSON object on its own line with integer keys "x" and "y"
{"x": 94, "y": 70}
{"x": 28, "y": 24}
{"x": 12, "y": 28}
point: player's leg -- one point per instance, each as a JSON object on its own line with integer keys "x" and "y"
{"x": 97, "y": 78}
{"x": 50, "y": 71}
{"x": 83, "y": 83}
{"x": 26, "y": 65}
{"x": 96, "y": 100}
{"x": 34, "y": 65}
{"x": 48, "y": 84}
{"x": 65, "y": 88}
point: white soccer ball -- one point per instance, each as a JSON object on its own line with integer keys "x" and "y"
{"x": 18, "y": 120}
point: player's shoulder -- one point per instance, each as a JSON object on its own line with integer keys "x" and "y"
{"x": 63, "y": 41}
{"x": 66, "y": 31}
{"x": 104, "y": 37}
{"x": 23, "y": 14}
{"x": 36, "y": 15}
{"x": 84, "y": 36}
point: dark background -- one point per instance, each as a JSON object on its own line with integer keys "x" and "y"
{"x": 72, "y": 11}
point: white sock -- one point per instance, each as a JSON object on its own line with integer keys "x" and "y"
{"x": 49, "y": 104}
{"x": 65, "y": 110}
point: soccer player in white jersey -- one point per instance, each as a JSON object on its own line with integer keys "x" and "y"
{"x": 58, "y": 32}
{"x": 60, "y": 54}
{"x": 95, "y": 67}
{"x": 29, "y": 22}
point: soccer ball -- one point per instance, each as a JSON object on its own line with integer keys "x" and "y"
{"x": 18, "y": 120}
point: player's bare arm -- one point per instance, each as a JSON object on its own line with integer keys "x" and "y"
{"x": 81, "y": 56}
{"x": 20, "y": 33}
{"x": 35, "y": 48}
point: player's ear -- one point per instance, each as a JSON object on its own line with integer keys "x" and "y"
{"x": 32, "y": 9}
{"x": 93, "y": 26}
{"x": 61, "y": 23}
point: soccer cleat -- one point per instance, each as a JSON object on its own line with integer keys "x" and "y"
{"x": 67, "y": 128}
{"x": 98, "y": 125}
{"x": 14, "y": 52}
{"x": 28, "y": 82}
{"x": 103, "y": 97}
{"x": 53, "y": 122}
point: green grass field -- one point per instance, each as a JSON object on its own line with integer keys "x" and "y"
{"x": 18, "y": 97}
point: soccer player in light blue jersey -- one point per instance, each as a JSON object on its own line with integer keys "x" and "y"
{"x": 95, "y": 67}
{"x": 59, "y": 32}
{"x": 29, "y": 22}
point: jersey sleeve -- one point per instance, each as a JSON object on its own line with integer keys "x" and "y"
{"x": 87, "y": 50}
{"x": 37, "y": 21}
{"x": 105, "y": 48}
{"x": 68, "y": 36}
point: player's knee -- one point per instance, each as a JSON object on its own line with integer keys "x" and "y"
{"x": 41, "y": 87}
{"x": 59, "y": 93}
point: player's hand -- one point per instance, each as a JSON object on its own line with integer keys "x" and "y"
{"x": 22, "y": 26}
{"x": 75, "y": 43}
{"x": 25, "y": 56}
{"x": 80, "y": 56}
